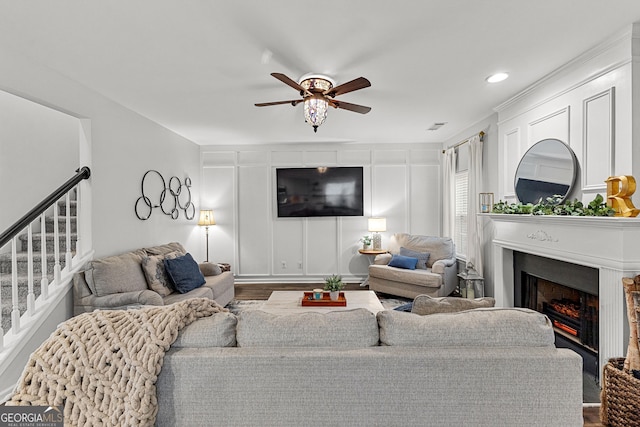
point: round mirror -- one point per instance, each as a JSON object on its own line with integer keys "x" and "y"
{"x": 547, "y": 169}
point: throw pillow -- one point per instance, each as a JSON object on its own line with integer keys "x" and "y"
{"x": 184, "y": 273}
{"x": 424, "y": 304}
{"x": 210, "y": 269}
{"x": 423, "y": 257}
{"x": 118, "y": 274}
{"x": 156, "y": 274}
{"x": 401, "y": 261}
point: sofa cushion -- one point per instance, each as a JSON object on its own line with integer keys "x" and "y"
{"x": 156, "y": 274}
{"x": 401, "y": 261}
{"x": 413, "y": 277}
{"x": 482, "y": 327}
{"x": 201, "y": 292}
{"x": 117, "y": 274}
{"x": 438, "y": 247}
{"x": 351, "y": 328}
{"x": 165, "y": 249}
{"x": 184, "y": 273}
{"x": 422, "y": 257}
{"x": 218, "y": 330}
{"x": 424, "y": 304}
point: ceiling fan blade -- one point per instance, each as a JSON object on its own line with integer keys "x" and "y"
{"x": 348, "y": 106}
{"x": 355, "y": 84}
{"x": 286, "y": 80}
{"x": 293, "y": 102}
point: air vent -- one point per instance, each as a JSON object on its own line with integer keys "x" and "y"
{"x": 437, "y": 125}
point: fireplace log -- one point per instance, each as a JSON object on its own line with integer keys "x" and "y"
{"x": 632, "y": 361}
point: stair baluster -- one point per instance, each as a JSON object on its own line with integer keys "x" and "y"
{"x": 31, "y": 298}
{"x": 67, "y": 200}
{"x": 57, "y": 276}
{"x": 15, "y": 312}
{"x": 44, "y": 282}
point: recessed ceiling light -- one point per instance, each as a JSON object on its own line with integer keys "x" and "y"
{"x": 497, "y": 77}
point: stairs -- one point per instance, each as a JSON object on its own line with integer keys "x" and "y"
{"x": 22, "y": 260}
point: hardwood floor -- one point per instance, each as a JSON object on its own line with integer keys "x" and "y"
{"x": 258, "y": 291}
{"x": 591, "y": 416}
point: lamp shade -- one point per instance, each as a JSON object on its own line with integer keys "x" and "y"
{"x": 206, "y": 217}
{"x": 377, "y": 224}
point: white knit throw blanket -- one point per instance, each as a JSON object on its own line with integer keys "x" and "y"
{"x": 103, "y": 366}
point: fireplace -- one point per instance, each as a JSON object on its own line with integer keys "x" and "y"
{"x": 568, "y": 295}
{"x": 606, "y": 247}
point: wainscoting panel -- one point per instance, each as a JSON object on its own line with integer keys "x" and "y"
{"x": 390, "y": 197}
{"x": 222, "y": 181}
{"x": 354, "y": 157}
{"x": 554, "y": 125}
{"x": 288, "y": 246}
{"x": 254, "y": 196}
{"x": 424, "y": 201}
{"x": 322, "y": 245}
{"x": 598, "y": 153}
{"x": 320, "y": 158}
{"x": 511, "y": 157}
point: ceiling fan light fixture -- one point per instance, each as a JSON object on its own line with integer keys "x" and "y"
{"x": 315, "y": 110}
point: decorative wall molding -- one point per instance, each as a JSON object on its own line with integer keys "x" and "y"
{"x": 592, "y": 138}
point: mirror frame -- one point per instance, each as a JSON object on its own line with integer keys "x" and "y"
{"x": 574, "y": 172}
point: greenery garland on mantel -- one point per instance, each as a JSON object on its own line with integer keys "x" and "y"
{"x": 555, "y": 206}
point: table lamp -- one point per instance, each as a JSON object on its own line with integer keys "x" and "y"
{"x": 206, "y": 219}
{"x": 376, "y": 225}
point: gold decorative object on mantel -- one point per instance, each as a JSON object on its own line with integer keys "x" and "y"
{"x": 619, "y": 191}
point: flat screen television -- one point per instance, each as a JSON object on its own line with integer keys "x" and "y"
{"x": 321, "y": 191}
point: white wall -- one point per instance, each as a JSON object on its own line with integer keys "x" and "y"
{"x": 34, "y": 140}
{"x": 121, "y": 147}
{"x": 402, "y": 183}
{"x": 587, "y": 104}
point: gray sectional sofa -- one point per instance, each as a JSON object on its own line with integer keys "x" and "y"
{"x": 483, "y": 367}
{"x": 138, "y": 278}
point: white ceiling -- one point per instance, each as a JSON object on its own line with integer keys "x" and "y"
{"x": 197, "y": 67}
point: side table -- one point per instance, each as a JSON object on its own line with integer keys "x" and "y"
{"x": 370, "y": 254}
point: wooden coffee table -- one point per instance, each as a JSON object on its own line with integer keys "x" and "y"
{"x": 287, "y": 302}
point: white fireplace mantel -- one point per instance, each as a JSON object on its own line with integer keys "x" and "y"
{"x": 609, "y": 244}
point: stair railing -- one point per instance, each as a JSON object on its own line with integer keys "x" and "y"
{"x": 37, "y": 217}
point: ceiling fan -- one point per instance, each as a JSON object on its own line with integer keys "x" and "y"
{"x": 318, "y": 92}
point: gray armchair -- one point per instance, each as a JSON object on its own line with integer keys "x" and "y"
{"x": 436, "y": 278}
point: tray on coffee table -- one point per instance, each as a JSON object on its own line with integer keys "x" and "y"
{"x": 309, "y": 301}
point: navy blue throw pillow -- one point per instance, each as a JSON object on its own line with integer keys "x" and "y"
{"x": 402, "y": 261}
{"x": 184, "y": 273}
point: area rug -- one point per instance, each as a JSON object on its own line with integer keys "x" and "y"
{"x": 237, "y": 306}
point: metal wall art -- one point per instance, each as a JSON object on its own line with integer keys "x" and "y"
{"x": 171, "y": 199}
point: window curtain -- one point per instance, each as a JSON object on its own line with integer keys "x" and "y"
{"x": 449, "y": 193}
{"x": 474, "y": 225}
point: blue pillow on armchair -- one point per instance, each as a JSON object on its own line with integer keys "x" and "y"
{"x": 401, "y": 261}
{"x": 184, "y": 273}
